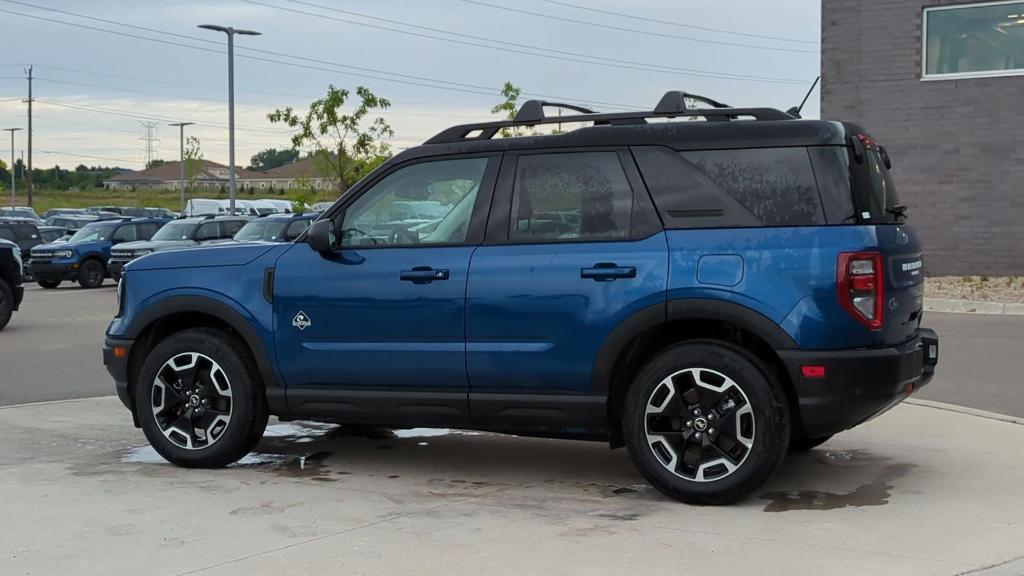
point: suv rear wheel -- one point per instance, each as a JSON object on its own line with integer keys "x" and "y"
{"x": 91, "y": 274}
{"x": 705, "y": 423}
{"x": 198, "y": 401}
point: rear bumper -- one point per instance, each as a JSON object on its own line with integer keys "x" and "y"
{"x": 117, "y": 366}
{"x": 51, "y": 271}
{"x": 858, "y": 384}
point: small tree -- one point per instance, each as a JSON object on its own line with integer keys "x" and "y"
{"x": 193, "y": 160}
{"x": 343, "y": 142}
{"x": 508, "y": 107}
{"x": 154, "y": 163}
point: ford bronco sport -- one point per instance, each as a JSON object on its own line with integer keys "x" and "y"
{"x": 707, "y": 294}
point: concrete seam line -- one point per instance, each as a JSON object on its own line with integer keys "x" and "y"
{"x": 1012, "y": 567}
{"x": 965, "y": 410}
{"x": 46, "y": 402}
{"x": 973, "y": 307}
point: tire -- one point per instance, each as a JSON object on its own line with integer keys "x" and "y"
{"x": 91, "y": 274}
{"x": 48, "y": 284}
{"x": 798, "y": 445}
{"x": 6, "y": 304}
{"x": 168, "y": 416}
{"x": 729, "y": 448}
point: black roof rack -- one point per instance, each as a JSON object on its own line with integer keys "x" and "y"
{"x": 671, "y": 105}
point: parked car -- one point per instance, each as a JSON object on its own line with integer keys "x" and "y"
{"x": 21, "y": 231}
{"x": 175, "y": 235}
{"x": 24, "y": 212}
{"x": 62, "y": 212}
{"x": 50, "y": 234}
{"x": 73, "y": 221}
{"x": 83, "y": 257}
{"x": 146, "y": 212}
{"x": 276, "y": 227}
{"x": 715, "y": 293}
{"x": 11, "y": 290}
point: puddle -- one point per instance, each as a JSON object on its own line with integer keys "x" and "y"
{"x": 875, "y": 492}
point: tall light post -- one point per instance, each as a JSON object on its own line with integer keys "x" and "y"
{"x": 12, "y": 131}
{"x": 231, "y": 101}
{"x": 181, "y": 146}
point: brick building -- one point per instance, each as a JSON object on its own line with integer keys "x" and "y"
{"x": 940, "y": 84}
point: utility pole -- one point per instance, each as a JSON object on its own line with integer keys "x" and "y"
{"x": 181, "y": 145}
{"x": 29, "y": 72}
{"x": 231, "y": 102}
{"x": 149, "y": 138}
{"x": 12, "y": 131}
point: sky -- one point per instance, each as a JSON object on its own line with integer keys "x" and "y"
{"x": 103, "y": 67}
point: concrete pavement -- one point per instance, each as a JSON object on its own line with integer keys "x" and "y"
{"x": 917, "y": 491}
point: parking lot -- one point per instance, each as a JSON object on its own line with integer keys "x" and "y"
{"x": 919, "y": 491}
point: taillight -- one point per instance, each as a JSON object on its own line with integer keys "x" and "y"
{"x": 861, "y": 289}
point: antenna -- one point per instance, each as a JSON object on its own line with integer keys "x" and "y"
{"x": 795, "y": 111}
{"x": 149, "y": 139}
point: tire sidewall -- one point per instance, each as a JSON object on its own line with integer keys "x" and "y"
{"x": 83, "y": 276}
{"x": 770, "y": 412}
{"x": 236, "y": 441}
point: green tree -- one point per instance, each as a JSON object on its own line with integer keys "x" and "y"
{"x": 154, "y": 163}
{"x": 193, "y": 160}
{"x": 345, "y": 142}
{"x": 508, "y": 107}
{"x": 272, "y": 158}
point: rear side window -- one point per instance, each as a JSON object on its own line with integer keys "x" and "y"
{"x": 297, "y": 227}
{"x": 874, "y": 192}
{"x": 571, "y": 196}
{"x": 208, "y": 231}
{"x": 6, "y": 233}
{"x": 775, "y": 185}
{"x": 229, "y": 228}
{"x": 125, "y": 234}
{"x": 146, "y": 231}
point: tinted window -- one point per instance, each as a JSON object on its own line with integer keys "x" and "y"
{"x": 146, "y": 231}
{"x": 832, "y": 171}
{"x": 775, "y": 185}
{"x": 126, "y": 233}
{"x": 208, "y": 231}
{"x": 425, "y": 203}
{"x": 574, "y": 196}
{"x": 229, "y": 228}
{"x": 6, "y": 233}
{"x": 295, "y": 228}
{"x": 873, "y": 190}
{"x": 25, "y": 232}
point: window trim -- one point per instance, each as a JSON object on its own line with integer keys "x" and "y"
{"x": 478, "y": 218}
{"x": 926, "y": 77}
{"x": 499, "y": 221}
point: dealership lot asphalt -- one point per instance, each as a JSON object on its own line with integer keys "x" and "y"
{"x": 914, "y": 492}
{"x": 51, "y": 351}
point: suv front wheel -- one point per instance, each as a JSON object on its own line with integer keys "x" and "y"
{"x": 198, "y": 400}
{"x": 705, "y": 423}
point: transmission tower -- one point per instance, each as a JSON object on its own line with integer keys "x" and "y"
{"x": 149, "y": 140}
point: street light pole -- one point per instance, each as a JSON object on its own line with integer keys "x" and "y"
{"x": 181, "y": 146}
{"x": 12, "y": 131}
{"x": 231, "y": 102}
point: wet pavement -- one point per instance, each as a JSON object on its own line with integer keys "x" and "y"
{"x": 910, "y": 493}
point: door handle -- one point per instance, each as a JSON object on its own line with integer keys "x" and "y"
{"x": 423, "y": 275}
{"x": 607, "y": 272}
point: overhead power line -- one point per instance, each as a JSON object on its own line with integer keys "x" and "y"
{"x": 337, "y": 68}
{"x": 144, "y": 116}
{"x": 519, "y": 48}
{"x": 676, "y": 24}
{"x": 635, "y": 30}
{"x": 74, "y": 155}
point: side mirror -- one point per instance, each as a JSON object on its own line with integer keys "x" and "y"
{"x": 321, "y": 236}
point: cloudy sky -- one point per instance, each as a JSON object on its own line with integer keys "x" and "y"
{"x": 104, "y": 66}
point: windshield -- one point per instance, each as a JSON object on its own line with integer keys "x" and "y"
{"x": 262, "y": 230}
{"x": 93, "y": 233}
{"x": 175, "y": 231}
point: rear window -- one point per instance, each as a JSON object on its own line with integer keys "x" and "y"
{"x": 874, "y": 193}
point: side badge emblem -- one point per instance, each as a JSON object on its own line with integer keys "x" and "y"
{"x": 301, "y": 321}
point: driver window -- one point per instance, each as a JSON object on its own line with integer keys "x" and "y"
{"x": 426, "y": 203}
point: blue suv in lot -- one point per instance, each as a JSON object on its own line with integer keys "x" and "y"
{"x": 707, "y": 294}
{"x": 83, "y": 258}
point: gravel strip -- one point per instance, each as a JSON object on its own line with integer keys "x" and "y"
{"x": 978, "y": 288}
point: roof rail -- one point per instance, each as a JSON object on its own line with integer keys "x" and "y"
{"x": 671, "y": 105}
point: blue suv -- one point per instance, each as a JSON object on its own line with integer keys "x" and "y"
{"x": 83, "y": 257}
{"x": 708, "y": 294}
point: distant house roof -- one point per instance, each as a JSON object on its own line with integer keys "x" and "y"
{"x": 308, "y": 168}
{"x": 208, "y": 171}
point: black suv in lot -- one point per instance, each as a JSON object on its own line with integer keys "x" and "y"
{"x": 11, "y": 290}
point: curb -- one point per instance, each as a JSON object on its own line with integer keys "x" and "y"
{"x": 965, "y": 410}
{"x": 1014, "y": 567}
{"x": 973, "y": 307}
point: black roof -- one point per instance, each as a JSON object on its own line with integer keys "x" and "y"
{"x": 714, "y": 127}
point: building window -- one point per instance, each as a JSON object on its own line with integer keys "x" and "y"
{"x": 973, "y": 40}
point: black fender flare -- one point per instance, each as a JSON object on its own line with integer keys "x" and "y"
{"x": 223, "y": 312}
{"x": 682, "y": 309}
